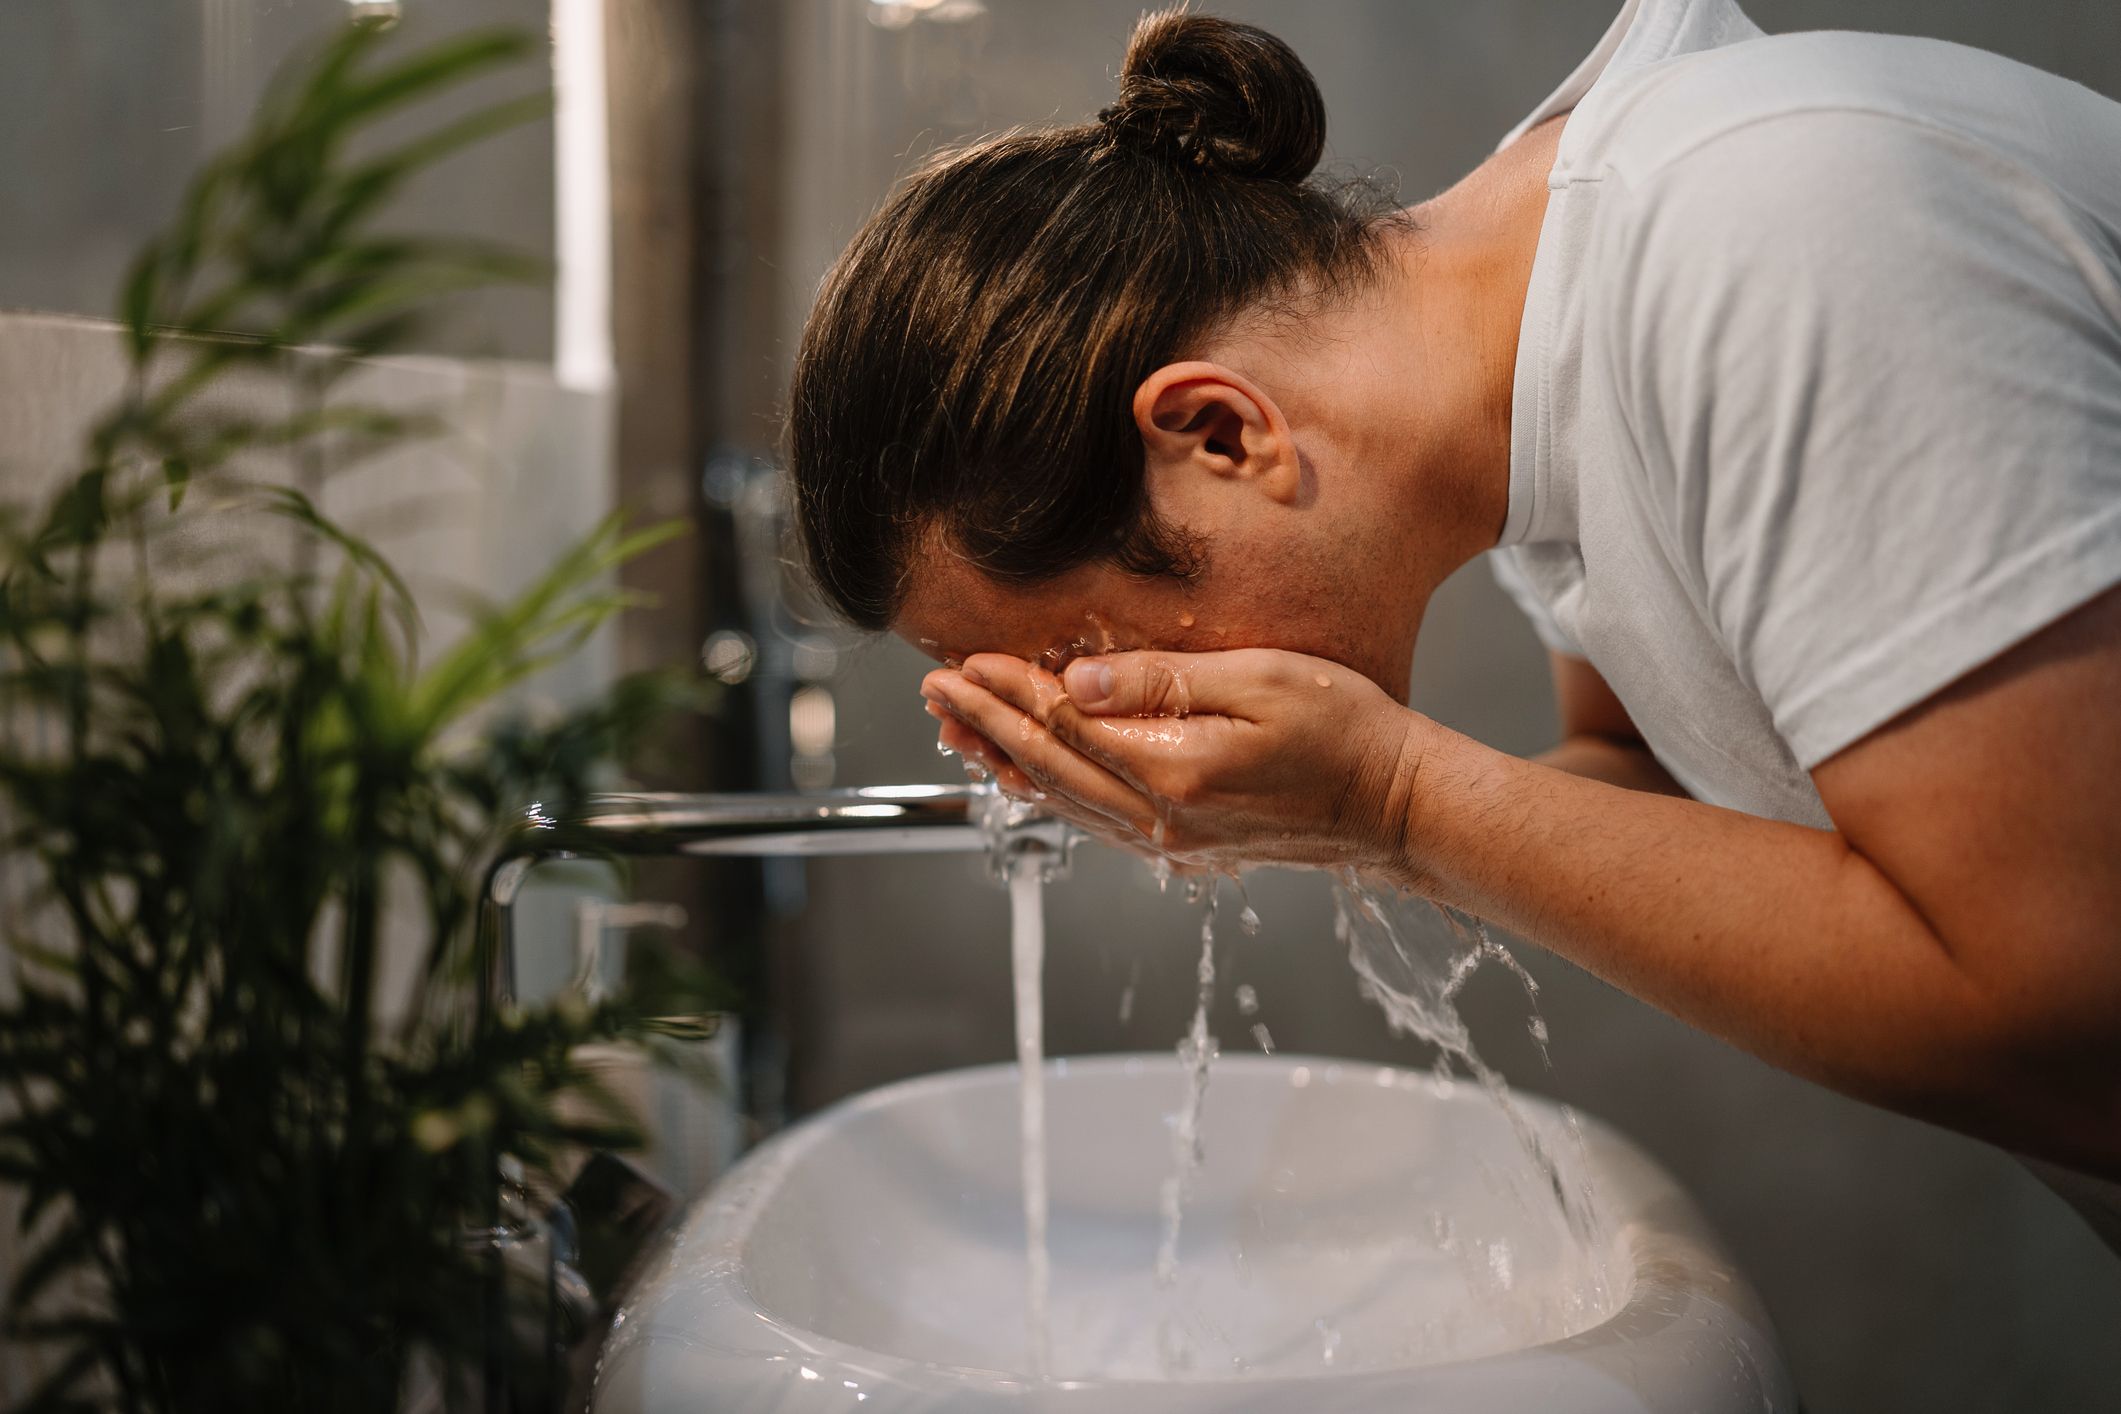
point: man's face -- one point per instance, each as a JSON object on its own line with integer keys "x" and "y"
{"x": 1332, "y": 611}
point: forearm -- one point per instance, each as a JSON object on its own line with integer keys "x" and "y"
{"x": 1614, "y": 761}
{"x": 1776, "y": 937}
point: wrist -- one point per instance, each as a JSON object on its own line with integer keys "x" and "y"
{"x": 1439, "y": 771}
{"x": 1396, "y": 851}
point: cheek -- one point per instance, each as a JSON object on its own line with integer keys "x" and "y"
{"x": 1325, "y": 611}
{"x": 1262, "y": 599}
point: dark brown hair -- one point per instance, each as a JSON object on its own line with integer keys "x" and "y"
{"x": 970, "y": 364}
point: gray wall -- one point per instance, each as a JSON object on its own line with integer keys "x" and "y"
{"x": 108, "y": 106}
{"x": 1907, "y": 1268}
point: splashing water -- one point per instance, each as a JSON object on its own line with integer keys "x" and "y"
{"x": 1417, "y": 989}
{"x": 1247, "y": 916}
{"x": 1416, "y": 983}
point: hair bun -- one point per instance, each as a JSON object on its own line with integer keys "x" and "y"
{"x": 1227, "y": 96}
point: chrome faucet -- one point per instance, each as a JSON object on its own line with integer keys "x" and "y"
{"x": 866, "y": 820}
{"x": 918, "y": 819}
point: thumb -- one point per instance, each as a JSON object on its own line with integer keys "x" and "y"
{"x": 1169, "y": 684}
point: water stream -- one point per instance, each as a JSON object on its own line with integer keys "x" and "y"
{"x": 1413, "y": 976}
{"x": 1027, "y": 955}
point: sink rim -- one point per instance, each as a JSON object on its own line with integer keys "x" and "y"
{"x": 1680, "y": 1287}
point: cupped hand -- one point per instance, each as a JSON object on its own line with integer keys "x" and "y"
{"x": 1252, "y": 756}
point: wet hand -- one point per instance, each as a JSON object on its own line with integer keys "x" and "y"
{"x": 1249, "y": 756}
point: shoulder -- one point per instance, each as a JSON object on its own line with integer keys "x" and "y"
{"x": 1867, "y": 219}
{"x": 1802, "y": 88}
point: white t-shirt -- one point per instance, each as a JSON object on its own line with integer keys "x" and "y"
{"x": 1818, "y": 393}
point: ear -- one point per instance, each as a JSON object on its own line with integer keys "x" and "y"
{"x": 1203, "y": 418}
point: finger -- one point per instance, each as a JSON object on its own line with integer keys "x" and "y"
{"x": 988, "y": 759}
{"x": 1238, "y": 683}
{"x": 1123, "y": 745}
{"x": 1050, "y": 763}
{"x": 983, "y": 760}
{"x": 1028, "y": 687}
{"x": 1045, "y": 780}
{"x": 1039, "y": 694}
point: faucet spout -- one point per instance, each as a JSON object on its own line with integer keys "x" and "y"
{"x": 912, "y": 819}
{"x": 919, "y": 819}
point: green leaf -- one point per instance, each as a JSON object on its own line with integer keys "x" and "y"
{"x": 446, "y": 64}
{"x": 136, "y": 307}
{"x": 243, "y": 760}
{"x": 55, "y": 1393}
{"x": 288, "y": 502}
{"x": 176, "y": 471}
{"x": 511, "y": 642}
{"x": 72, "y": 1245}
{"x": 365, "y": 188}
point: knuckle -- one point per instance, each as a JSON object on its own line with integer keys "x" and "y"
{"x": 1159, "y": 686}
{"x": 1162, "y": 688}
{"x": 1280, "y": 671}
{"x": 1067, "y": 723}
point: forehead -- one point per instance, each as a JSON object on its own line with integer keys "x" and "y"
{"x": 954, "y": 610}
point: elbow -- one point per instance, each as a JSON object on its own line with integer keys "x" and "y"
{"x": 2043, "y": 1081}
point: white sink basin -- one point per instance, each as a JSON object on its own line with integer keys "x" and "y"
{"x": 1360, "y": 1240}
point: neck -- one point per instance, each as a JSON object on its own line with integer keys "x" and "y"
{"x": 1467, "y": 265}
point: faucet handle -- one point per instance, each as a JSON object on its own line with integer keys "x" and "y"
{"x": 595, "y": 920}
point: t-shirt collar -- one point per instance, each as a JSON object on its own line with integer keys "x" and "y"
{"x": 1542, "y": 496}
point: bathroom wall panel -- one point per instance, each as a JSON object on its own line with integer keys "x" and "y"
{"x": 108, "y": 106}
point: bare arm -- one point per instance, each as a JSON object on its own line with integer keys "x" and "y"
{"x": 1952, "y": 949}
{"x": 1598, "y": 739}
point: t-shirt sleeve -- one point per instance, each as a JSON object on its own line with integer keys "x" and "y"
{"x": 1510, "y": 573}
{"x": 1878, "y": 369}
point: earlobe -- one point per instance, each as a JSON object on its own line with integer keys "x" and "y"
{"x": 1206, "y": 418}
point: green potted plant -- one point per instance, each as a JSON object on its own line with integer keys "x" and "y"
{"x": 247, "y": 1181}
